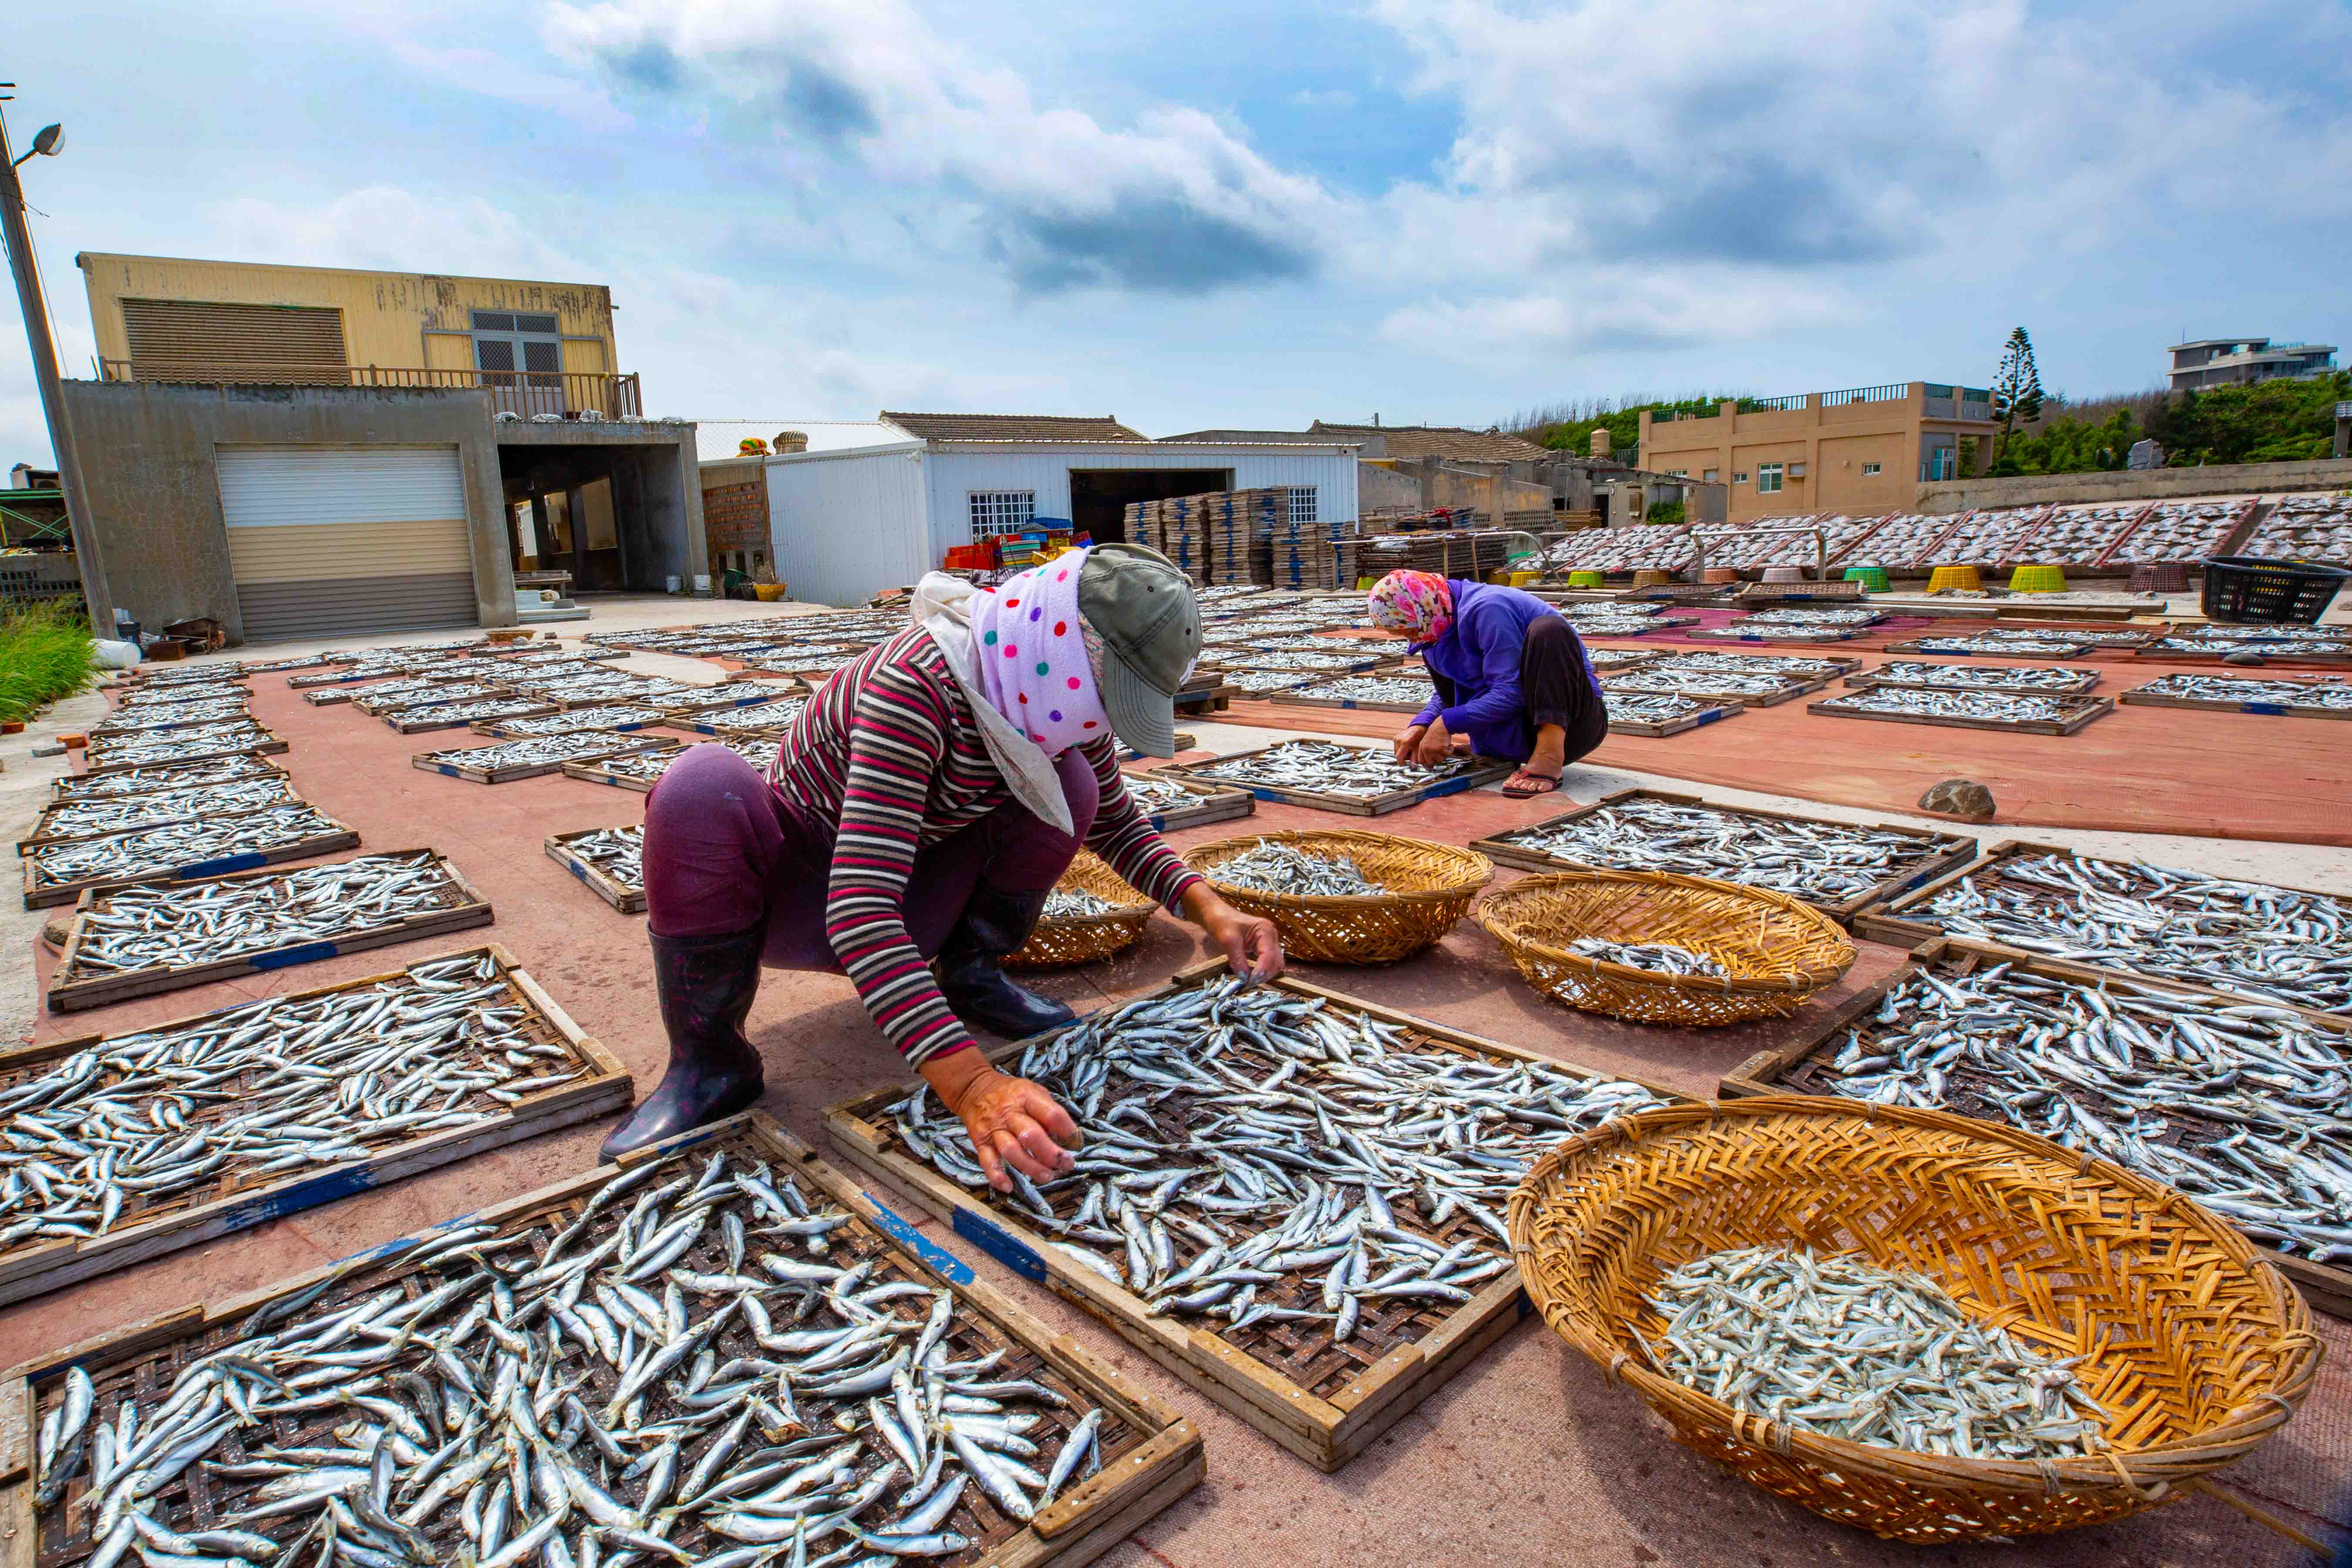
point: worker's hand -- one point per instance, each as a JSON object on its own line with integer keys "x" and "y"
{"x": 1436, "y": 743}
{"x": 1012, "y": 1121}
{"x": 1407, "y": 740}
{"x": 1253, "y": 944}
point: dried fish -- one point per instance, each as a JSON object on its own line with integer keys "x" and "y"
{"x": 157, "y": 927}
{"x": 151, "y": 748}
{"x": 1274, "y": 867}
{"x": 2239, "y": 1105}
{"x": 128, "y": 813}
{"x": 652, "y": 764}
{"x": 1380, "y": 690}
{"x": 2041, "y": 678}
{"x": 1812, "y": 615}
{"x": 1822, "y": 861}
{"x": 1327, "y": 767}
{"x": 164, "y": 778}
{"x": 163, "y": 850}
{"x": 1996, "y": 707}
{"x": 1846, "y": 1348}
{"x": 537, "y": 751}
{"x": 618, "y": 852}
{"x": 181, "y": 696}
{"x": 2327, "y": 695}
{"x": 1074, "y": 903}
{"x": 776, "y": 715}
{"x": 1264, "y": 681}
{"x": 618, "y": 717}
{"x": 1261, "y": 1156}
{"x": 759, "y": 1395}
{"x": 1658, "y": 957}
{"x": 122, "y": 1131}
{"x": 147, "y": 720}
{"x": 2047, "y": 647}
{"x": 1651, "y": 708}
{"x": 2246, "y": 937}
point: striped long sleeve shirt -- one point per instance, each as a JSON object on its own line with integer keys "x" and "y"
{"x": 889, "y": 749}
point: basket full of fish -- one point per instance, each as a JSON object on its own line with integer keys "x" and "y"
{"x": 1343, "y": 896}
{"x": 1656, "y": 947}
{"x": 1092, "y": 914}
{"x": 1799, "y": 1287}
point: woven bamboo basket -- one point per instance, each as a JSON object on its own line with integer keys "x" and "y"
{"x": 1059, "y": 942}
{"x": 2198, "y": 1348}
{"x": 1426, "y": 889}
{"x": 1779, "y": 951}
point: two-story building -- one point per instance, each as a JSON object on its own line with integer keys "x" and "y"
{"x": 2241, "y": 362}
{"x": 304, "y": 451}
{"x": 1863, "y": 449}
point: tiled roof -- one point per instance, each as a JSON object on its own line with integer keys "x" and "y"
{"x": 1013, "y": 427}
{"x": 1441, "y": 441}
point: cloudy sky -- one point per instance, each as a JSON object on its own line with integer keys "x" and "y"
{"x": 1229, "y": 213}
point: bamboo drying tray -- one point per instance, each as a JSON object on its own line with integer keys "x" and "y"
{"x": 2197, "y": 1350}
{"x": 1426, "y": 889}
{"x": 1779, "y": 950}
{"x": 1060, "y": 941}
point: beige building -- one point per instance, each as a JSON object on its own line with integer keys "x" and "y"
{"x": 1865, "y": 449}
{"x": 540, "y": 348}
{"x": 305, "y": 452}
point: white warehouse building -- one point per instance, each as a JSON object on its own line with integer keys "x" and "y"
{"x": 848, "y": 522}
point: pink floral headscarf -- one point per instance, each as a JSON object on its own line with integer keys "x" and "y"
{"x": 1418, "y": 603}
{"x": 1032, "y": 656}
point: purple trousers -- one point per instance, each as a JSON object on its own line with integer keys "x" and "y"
{"x": 725, "y": 851}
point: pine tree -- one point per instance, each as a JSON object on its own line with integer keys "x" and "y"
{"x": 2016, "y": 386}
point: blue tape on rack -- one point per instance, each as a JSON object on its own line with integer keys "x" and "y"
{"x": 287, "y": 957}
{"x": 227, "y": 863}
{"x": 2275, "y": 709}
{"x": 954, "y": 1269}
{"x": 1000, "y": 1244}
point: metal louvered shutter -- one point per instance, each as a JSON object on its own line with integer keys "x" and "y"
{"x": 332, "y": 541}
{"x": 195, "y": 340}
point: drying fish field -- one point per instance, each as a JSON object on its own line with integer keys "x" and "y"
{"x": 1288, "y": 1209}
{"x": 1318, "y": 1255}
{"x": 809, "y": 1460}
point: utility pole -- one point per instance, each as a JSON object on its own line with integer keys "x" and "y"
{"x": 94, "y": 591}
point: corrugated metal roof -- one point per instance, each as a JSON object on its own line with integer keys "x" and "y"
{"x": 1013, "y": 427}
{"x": 1441, "y": 441}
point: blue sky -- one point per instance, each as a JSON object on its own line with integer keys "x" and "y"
{"x": 1237, "y": 214}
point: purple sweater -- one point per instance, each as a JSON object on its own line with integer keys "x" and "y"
{"x": 1479, "y": 655}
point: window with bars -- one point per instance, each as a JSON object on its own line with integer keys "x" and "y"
{"x": 1302, "y": 503}
{"x": 1002, "y": 511}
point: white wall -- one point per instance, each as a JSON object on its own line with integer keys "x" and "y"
{"x": 842, "y": 528}
{"x": 958, "y": 469}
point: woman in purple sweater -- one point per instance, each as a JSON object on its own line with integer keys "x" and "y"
{"x": 1511, "y": 677}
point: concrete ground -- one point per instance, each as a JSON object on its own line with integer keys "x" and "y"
{"x": 1527, "y": 1457}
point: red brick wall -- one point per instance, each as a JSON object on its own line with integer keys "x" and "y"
{"x": 735, "y": 516}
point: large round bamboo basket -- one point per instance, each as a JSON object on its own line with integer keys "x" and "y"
{"x": 2198, "y": 1348}
{"x": 1780, "y": 951}
{"x": 1057, "y": 943}
{"x": 1426, "y": 889}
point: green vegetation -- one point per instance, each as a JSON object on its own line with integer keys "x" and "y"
{"x": 1569, "y": 426}
{"x": 1670, "y": 515}
{"x": 46, "y": 653}
{"x": 2272, "y": 422}
{"x": 2016, "y": 386}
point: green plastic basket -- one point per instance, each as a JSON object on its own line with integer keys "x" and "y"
{"x": 1872, "y": 578}
{"x": 1584, "y": 579}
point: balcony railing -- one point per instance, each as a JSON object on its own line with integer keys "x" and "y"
{"x": 1892, "y": 392}
{"x": 563, "y": 394}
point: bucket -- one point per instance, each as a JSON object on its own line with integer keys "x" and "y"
{"x": 768, "y": 593}
{"x": 669, "y": 584}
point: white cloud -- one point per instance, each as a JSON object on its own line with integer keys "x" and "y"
{"x": 1612, "y": 311}
{"x": 1172, "y": 202}
{"x": 393, "y": 228}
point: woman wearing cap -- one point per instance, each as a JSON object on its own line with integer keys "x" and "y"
{"x": 923, "y": 805}
{"x": 1511, "y": 677}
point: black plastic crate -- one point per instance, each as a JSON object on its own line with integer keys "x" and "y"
{"x": 2250, "y": 589}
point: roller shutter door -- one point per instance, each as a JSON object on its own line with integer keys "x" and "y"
{"x": 337, "y": 541}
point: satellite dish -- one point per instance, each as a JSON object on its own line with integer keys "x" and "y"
{"x": 48, "y": 139}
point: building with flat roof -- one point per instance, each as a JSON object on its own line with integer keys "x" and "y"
{"x": 2241, "y": 362}
{"x": 1863, "y": 449}
{"x": 299, "y": 451}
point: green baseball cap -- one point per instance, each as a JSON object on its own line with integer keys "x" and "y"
{"x": 1140, "y": 605}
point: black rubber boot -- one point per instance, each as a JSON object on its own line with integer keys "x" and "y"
{"x": 971, "y": 966}
{"x": 705, "y": 985}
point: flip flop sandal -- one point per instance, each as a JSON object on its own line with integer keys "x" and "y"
{"x": 1524, "y": 785}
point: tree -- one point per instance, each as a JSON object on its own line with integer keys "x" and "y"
{"x": 2016, "y": 386}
